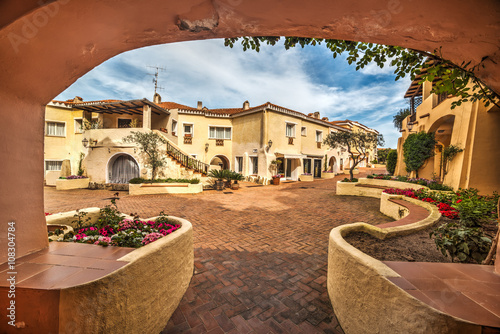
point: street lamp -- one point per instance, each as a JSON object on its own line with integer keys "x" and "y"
{"x": 269, "y": 143}
{"x": 206, "y": 147}
{"x": 85, "y": 142}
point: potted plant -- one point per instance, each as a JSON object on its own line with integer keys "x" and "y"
{"x": 235, "y": 176}
{"x": 276, "y": 179}
{"x": 219, "y": 176}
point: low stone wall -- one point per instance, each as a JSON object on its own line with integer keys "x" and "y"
{"x": 358, "y": 284}
{"x": 67, "y": 218}
{"x": 139, "y": 297}
{"x": 164, "y": 188}
{"x": 392, "y": 209}
{"x": 64, "y": 184}
{"x": 306, "y": 178}
{"x": 327, "y": 175}
{"x": 354, "y": 188}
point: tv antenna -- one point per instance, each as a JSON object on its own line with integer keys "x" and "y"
{"x": 155, "y": 75}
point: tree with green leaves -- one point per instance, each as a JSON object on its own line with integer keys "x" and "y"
{"x": 417, "y": 148}
{"x": 400, "y": 117}
{"x": 150, "y": 144}
{"x": 357, "y": 143}
{"x": 456, "y": 79}
{"x": 392, "y": 160}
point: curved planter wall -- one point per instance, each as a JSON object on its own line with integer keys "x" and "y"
{"x": 139, "y": 297}
{"x": 357, "y": 284}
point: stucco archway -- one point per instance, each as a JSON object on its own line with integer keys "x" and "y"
{"x": 122, "y": 167}
{"x": 47, "y": 47}
{"x": 332, "y": 164}
{"x": 220, "y": 160}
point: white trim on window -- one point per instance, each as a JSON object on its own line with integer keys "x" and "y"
{"x": 211, "y": 135}
{"x": 51, "y": 160}
{"x": 55, "y": 130}
{"x": 303, "y": 131}
{"x": 174, "y": 127}
{"x": 191, "y": 125}
{"x": 293, "y": 131}
{"x": 320, "y": 137}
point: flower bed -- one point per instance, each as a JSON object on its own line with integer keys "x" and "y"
{"x": 462, "y": 235}
{"x": 72, "y": 182}
{"x": 431, "y": 184}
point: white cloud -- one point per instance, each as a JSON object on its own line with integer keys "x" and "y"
{"x": 224, "y": 77}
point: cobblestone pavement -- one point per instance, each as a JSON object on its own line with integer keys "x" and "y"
{"x": 260, "y": 252}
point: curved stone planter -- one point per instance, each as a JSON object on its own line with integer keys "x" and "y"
{"x": 139, "y": 297}
{"x": 164, "y": 188}
{"x": 357, "y": 189}
{"x": 327, "y": 175}
{"x": 65, "y": 184}
{"x": 359, "y": 283}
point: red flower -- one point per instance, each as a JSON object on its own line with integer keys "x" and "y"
{"x": 458, "y": 201}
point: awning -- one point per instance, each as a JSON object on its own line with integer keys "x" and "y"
{"x": 290, "y": 155}
{"x": 131, "y": 107}
{"x": 314, "y": 156}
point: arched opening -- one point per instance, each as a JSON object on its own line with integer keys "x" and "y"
{"x": 443, "y": 129}
{"x": 219, "y": 162}
{"x": 122, "y": 168}
{"x": 332, "y": 164}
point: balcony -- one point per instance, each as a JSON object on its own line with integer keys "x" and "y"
{"x": 219, "y": 142}
{"x": 290, "y": 140}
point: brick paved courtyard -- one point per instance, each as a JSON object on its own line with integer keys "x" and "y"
{"x": 260, "y": 252}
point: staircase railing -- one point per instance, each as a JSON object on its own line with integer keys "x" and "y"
{"x": 186, "y": 160}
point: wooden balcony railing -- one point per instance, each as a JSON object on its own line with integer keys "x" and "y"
{"x": 318, "y": 144}
{"x": 290, "y": 140}
{"x": 219, "y": 142}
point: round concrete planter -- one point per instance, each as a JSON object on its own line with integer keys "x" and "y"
{"x": 139, "y": 297}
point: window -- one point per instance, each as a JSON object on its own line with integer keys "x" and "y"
{"x": 239, "y": 164}
{"x": 307, "y": 166}
{"x": 78, "y": 125}
{"x": 290, "y": 130}
{"x": 53, "y": 165}
{"x": 124, "y": 123}
{"x": 254, "y": 161}
{"x": 174, "y": 127}
{"x": 188, "y": 129}
{"x": 303, "y": 131}
{"x": 319, "y": 136}
{"x": 216, "y": 132}
{"x": 56, "y": 129}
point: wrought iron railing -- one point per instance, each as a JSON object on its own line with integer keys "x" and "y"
{"x": 186, "y": 160}
{"x": 290, "y": 140}
{"x": 219, "y": 142}
{"x": 188, "y": 140}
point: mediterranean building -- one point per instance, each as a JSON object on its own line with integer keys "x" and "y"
{"x": 247, "y": 140}
{"x": 472, "y": 127}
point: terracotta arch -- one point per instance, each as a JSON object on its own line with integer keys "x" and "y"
{"x": 47, "y": 47}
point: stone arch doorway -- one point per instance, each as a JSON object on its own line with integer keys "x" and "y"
{"x": 443, "y": 129}
{"x": 221, "y": 161}
{"x": 121, "y": 168}
{"x": 28, "y": 31}
{"x": 332, "y": 164}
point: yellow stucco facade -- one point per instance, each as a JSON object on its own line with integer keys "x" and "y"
{"x": 246, "y": 139}
{"x": 471, "y": 127}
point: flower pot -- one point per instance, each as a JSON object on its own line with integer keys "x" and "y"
{"x": 276, "y": 181}
{"x": 219, "y": 185}
{"x": 235, "y": 186}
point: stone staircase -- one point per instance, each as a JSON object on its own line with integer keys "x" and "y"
{"x": 182, "y": 165}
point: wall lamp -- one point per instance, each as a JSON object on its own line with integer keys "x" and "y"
{"x": 409, "y": 126}
{"x": 269, "y": 144}
{"x": 85, "y": 142}
{"x": 206, "y": 147}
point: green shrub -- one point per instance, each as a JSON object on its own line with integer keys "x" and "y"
{"x": 349, "y": 180}
{"x": 371, "y": 176}
{"x": 417, "y": 148}
{"x": 467, "y": 244}
{"x": 139, "y": 180}
{"x": 392, "y": 159}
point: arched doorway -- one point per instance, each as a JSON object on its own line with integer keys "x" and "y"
{"x": 221, "y": 161}
{"x": 332, "y": 164}
{"x": 122, "y": 168}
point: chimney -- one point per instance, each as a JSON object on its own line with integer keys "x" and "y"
{"x": 200, "y": 105}
{"x": 316, "y": 114}
{"x": 157, "y": 98}
{"x": 246, "y": 105}
{"x": 325, "y": 119}
{"x": 77, "y": 99}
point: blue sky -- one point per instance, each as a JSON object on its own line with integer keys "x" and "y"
{"x": 306, "y": 80}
